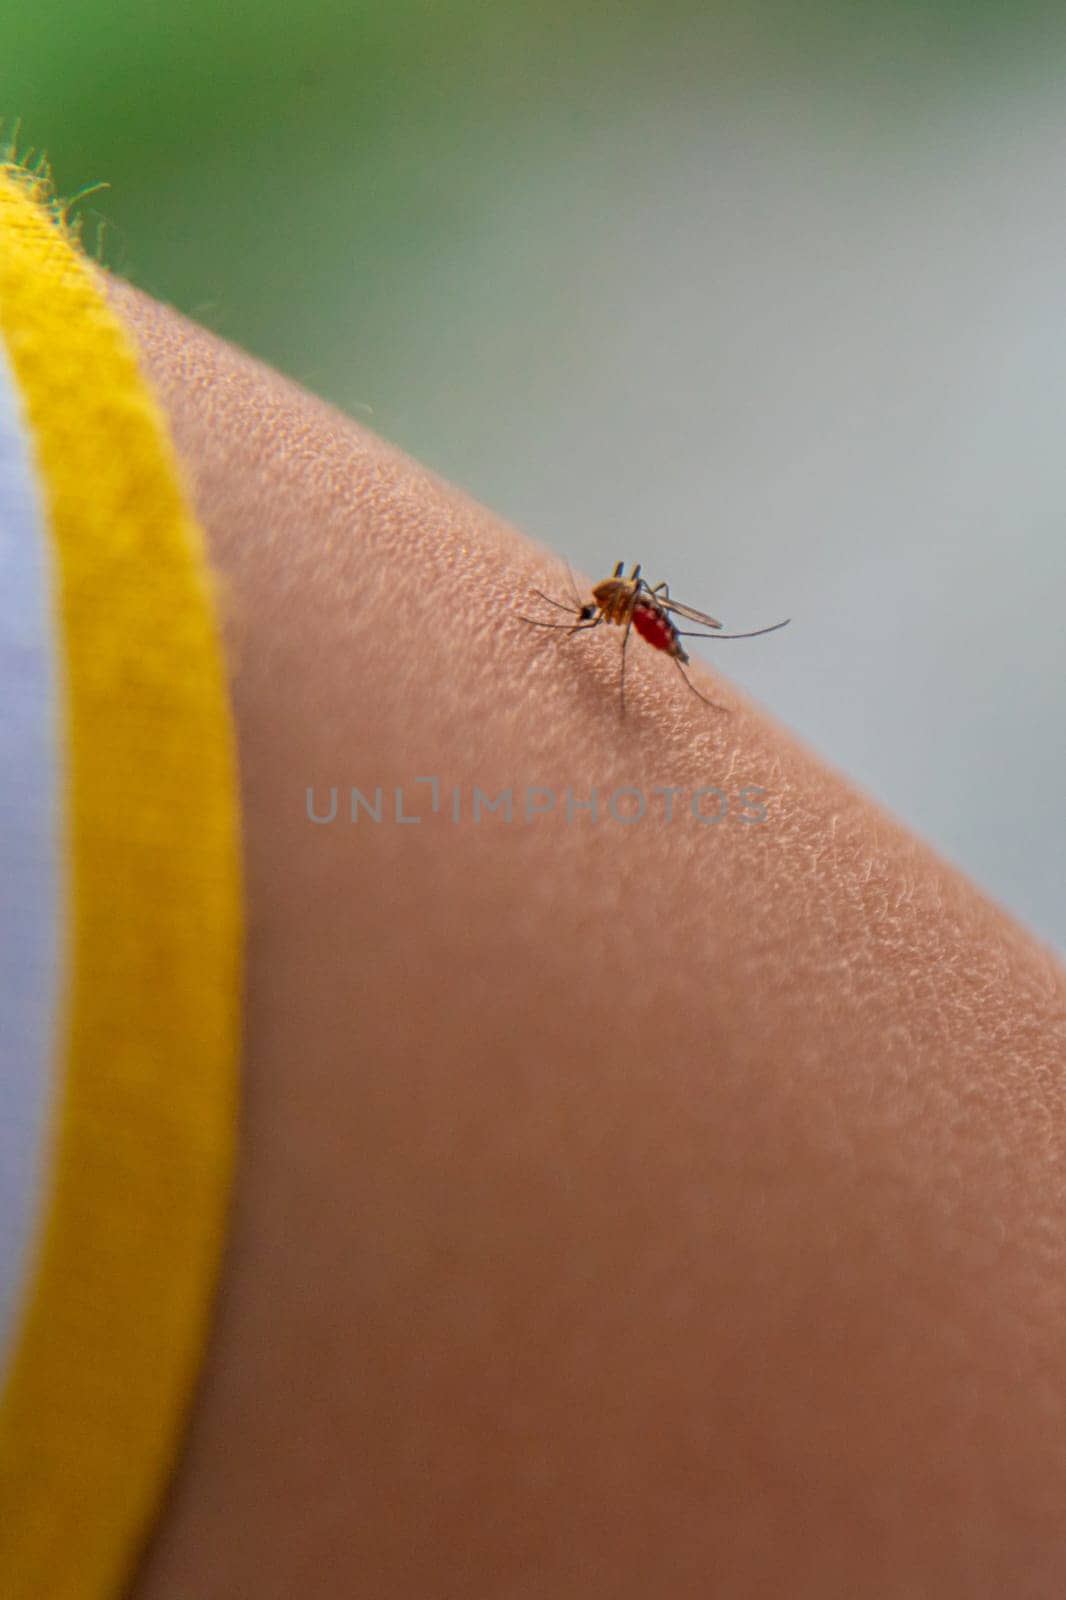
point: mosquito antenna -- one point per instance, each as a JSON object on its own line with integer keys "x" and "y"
{"x": 569, "y": 627}
{"x": 573, "y": 586}
{"x": 556, "y": 603}
{"x": 754, "y": 634}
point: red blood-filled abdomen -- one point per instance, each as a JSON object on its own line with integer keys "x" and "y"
{"x": 655, "y": 626}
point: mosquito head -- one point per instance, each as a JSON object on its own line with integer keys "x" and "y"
{"x": 587, "y": 612}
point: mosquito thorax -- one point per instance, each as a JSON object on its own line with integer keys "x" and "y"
{"x": 612, "y": 594}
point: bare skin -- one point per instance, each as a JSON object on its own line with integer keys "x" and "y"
{"x": 665, "y": 1210}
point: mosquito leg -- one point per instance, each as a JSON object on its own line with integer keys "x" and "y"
{"x": 712, "y": 703}
{"x": 583, "y": 627}
{"x": 755, "y": 633}
{"x": 622, "y": 681}
{"x": 660, "y": 591}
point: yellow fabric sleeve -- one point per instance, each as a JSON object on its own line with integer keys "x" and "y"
{"x": 111, "y": 1333}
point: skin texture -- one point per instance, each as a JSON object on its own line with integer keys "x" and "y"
{"x": 648, "y": 1210}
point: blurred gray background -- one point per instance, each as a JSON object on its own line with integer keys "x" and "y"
{"x": 769, "y": 297}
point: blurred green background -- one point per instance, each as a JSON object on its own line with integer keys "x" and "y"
{"x": 769, "y": 297}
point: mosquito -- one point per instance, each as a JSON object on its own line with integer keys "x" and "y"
{"x": 649, "y": 608}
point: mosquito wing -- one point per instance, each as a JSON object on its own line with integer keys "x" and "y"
{"x": 689, "y": 613}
